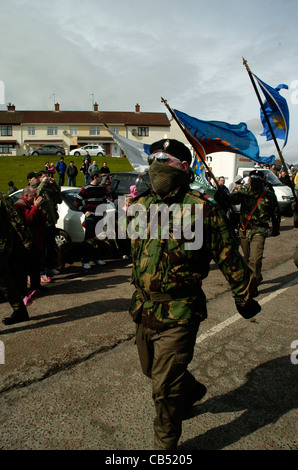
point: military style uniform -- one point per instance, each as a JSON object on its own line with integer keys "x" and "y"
{"x": 169, "y": 303}
{"x": 255, "y": 226}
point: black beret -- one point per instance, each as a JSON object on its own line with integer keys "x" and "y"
{"x": 257, "y": 174}
{"x": 172, "y": 147}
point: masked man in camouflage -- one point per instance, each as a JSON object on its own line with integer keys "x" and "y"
{"x": 169, "y": 303}
{"x": 259, "y": 206}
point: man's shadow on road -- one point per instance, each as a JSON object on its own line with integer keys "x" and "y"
{"x": 269, "y": 393}
{"x": 88, "y": 310}
{"x": 278, "y": 283}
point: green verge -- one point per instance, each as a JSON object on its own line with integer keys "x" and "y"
{"x": 16, "y": 169}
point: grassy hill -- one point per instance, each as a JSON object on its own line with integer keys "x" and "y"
{"x": 16, "y": 169}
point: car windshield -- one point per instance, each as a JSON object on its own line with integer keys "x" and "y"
{"x": 69, "y": 196}
{"x": 269, "y": 177}
{"x": 121, "y": 182}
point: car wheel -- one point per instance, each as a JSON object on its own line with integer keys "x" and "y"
{"x": 35, "y": 153}
{"x": 100, "y": 154}
{"x": 59, "y": 153}
{"x": 77, "y": 154}
{"x": 61, "y": 238}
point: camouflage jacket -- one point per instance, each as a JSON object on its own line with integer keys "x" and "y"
{"x": 11, "y": 224}
{"x": 168, "y": 275}
{"x": 266, "y": 211}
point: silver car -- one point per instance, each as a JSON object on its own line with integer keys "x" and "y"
{"x": 49, "y": 150}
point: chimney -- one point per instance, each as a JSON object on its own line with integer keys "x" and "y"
{"x": 95, "y": 106}
{"x": 57, "y": 107}
{"x": 137, "y": 108}
{"x": 11, "y": 107}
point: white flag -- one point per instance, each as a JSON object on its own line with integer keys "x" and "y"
{"x": 134, "y": 151}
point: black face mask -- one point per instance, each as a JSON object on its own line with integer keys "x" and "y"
{"x": 165, "y": 178}
{"x": 256, "y": 184}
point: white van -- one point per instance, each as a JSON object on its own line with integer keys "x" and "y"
{"x": 230, "y": 165}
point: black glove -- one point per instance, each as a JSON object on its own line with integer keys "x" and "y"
{"x": 250, "y": 309}
{"x": 222, "y": 198}
{"x": 275, "y": 233}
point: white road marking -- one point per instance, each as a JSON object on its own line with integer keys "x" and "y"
{"x": 229, "y": 321}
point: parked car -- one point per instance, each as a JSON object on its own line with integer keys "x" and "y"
{"x": 49, "y": 150}
{"x": 69, "y": 227}
{"x": 94, "y": 150}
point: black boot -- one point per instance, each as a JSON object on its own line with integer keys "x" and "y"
{"x": 197, "y": 393}
{"x": 18, "y": 316}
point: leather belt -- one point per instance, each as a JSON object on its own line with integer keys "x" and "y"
{"x": 167, "y": 297}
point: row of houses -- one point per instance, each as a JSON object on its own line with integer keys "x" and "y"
{"x": 23, "y": 131}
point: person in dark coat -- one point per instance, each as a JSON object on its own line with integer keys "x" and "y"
{"x": 72, "y": 173}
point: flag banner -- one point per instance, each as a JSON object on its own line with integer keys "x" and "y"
{"x": 200, "y": 173}
{"x": 277, "y": 111}
{"x": 218, "y": 136}
{"x": 197, "y": 146}
{"x": 200, "y": 183}
{"x": 198, "y": 166}
{"x": 136, "y": 152}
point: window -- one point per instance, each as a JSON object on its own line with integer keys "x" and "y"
{"x": 73, "y": 131}
{"x": 52, "y": 130}
{"x": 31, "y": 130}
{"x": 94, "y": 130}
{"x": 115, "y": 129}
{"x": 6, "y": 148}
{"x": 6, "y": 130}
{"x": 143, "y": 131}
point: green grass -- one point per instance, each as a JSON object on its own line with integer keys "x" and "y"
{"x": 16, "y": 169}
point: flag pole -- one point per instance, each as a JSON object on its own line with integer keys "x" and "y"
{"x": 185, "y": 133}
{"x": 269, "y": 123}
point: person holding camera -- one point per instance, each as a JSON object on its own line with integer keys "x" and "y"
{"x": 29, "y": 209}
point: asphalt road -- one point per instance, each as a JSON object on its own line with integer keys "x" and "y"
{"x": 71, "y": 379}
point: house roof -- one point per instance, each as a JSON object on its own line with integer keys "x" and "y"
{"x": 84, "y": 117}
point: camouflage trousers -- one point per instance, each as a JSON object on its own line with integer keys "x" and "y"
{"x": 164, "y": 357}
{"x": 253, "y": 249}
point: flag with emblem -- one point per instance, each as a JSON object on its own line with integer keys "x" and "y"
{"x": 218, "y": 136}
{"x": 277, "y": 111}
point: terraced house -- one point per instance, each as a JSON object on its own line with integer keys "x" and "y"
{"x": 23, "y": 131}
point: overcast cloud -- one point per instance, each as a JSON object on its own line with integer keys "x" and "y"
{"x": 133, "y": 51}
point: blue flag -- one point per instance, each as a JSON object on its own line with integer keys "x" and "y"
{"x": 200, "y": 173}
{"x": 277, "y": 111}
{"x": 217, "y": 136}
{"x": 198, "y": 166}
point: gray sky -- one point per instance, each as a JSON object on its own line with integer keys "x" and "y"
{"x": 135, "y": 51}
